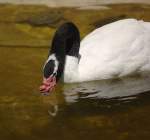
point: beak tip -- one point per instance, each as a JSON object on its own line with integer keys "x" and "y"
{"x": 44, "y": 90}
{"x": 47, "y": 86}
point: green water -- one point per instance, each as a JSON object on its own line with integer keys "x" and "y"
{"x": 95, "y": 110}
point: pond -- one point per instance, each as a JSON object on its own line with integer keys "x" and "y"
{"x": 116, "y": 109}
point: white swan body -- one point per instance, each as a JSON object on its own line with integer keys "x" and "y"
{"x": 114, "y": 50}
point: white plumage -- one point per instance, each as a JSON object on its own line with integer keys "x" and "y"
{"x": 118, "y": 49}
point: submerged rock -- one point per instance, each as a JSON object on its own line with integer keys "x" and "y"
{"x": 49, "y": 18}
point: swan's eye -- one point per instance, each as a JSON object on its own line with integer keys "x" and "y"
{"x": 49, "y": 68}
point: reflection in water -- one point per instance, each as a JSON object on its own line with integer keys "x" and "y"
{"x": 89, "y": 98}
{"x": 54, "y": 112}
{"x": 120, "y": 89}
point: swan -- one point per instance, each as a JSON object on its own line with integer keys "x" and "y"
{"x": 114, "y": 50}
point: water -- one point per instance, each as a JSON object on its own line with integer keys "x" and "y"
{"x": 107, "y": 110}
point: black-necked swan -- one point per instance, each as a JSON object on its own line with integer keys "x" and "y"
{"x": 114, "y": 50}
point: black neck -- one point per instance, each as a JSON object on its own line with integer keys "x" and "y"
{"x": 66, "y": 41}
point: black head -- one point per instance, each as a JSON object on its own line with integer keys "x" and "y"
{"x": 66, "y": 41}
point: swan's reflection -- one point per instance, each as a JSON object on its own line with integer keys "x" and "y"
{"x": 121, "y": 89}
{"x": 97, "y": 94}
{"x": 54, "y": 112}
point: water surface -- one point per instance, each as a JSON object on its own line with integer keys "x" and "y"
{"x": 112, "y": 109}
